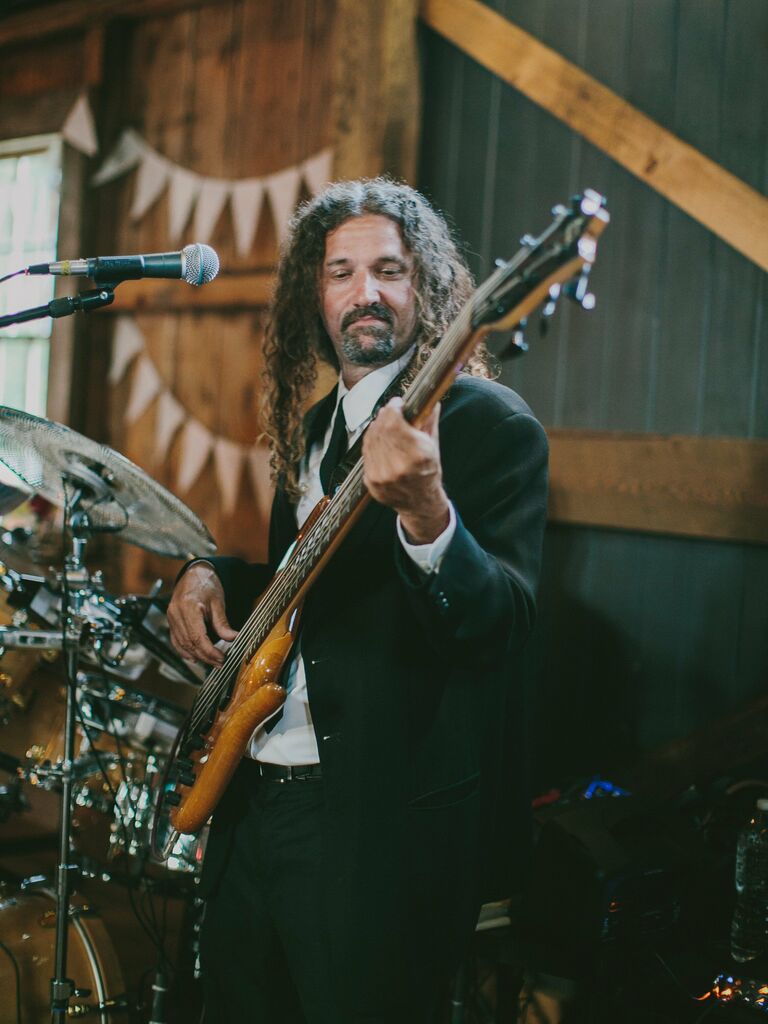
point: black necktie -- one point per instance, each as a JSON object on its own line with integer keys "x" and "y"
{"x": 336, "y": 450}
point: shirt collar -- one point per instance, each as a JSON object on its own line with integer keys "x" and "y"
{"x": 360, "y": 400}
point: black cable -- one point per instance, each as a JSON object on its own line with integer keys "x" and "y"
{"x": 14, "y": 274}
{"x": 15, "y": 963}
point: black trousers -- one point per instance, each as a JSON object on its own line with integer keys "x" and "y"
{"x": 265, "y": 943}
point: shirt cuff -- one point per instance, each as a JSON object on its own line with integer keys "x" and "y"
{"x": 429, "y": 556}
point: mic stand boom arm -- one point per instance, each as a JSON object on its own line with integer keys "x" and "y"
{"x": 65, "y": 306}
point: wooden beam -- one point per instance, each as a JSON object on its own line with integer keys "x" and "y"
{"x": 228, "y": 292}
{"x": 702, "y": 188}
{"x": 692, "y": 486}
{"x": 71, "y": 15}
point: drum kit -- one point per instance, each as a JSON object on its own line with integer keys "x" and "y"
{"x": 100, "y": 736}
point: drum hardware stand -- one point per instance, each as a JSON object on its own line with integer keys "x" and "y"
{"x": 76, "y": 590}
{"x": 65, "y": 468}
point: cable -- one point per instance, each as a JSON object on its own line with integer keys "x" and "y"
{"x": 15, "y": 963}
{"x": 14, "y": 274}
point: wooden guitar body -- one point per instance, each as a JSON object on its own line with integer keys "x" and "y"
{"x": 256, "y": 695}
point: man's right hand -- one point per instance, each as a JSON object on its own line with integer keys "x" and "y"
{"x": 196, "y": 605}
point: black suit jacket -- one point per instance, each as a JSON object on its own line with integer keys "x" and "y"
{"x": 412, "y": 689}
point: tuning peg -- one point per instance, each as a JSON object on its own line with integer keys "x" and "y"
{"x": 577, "y": 292}
{"x": 548, "y": 310}
{"x": 528, "y": 240}
{"x": 517, "y": 346}
{"x": 551, "y": 304}
{"x": 499, "y": 263}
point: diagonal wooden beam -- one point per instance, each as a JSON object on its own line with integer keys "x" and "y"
{"x": 701, "y": 187}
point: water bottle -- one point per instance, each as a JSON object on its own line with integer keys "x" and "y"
{"x": 749, "y": 930}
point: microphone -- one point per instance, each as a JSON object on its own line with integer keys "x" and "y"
{"x": 196, "y": 264}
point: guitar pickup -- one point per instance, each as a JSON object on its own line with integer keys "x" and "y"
{"x": 192, "y": 742}
{"x": 185, "y": 777}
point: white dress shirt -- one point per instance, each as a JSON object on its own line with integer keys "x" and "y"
{"x": 292, "y": 740}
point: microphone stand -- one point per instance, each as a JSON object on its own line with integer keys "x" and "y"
{"x": 65, "y": 306}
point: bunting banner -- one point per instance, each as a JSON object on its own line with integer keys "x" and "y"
{"x": 197, "y": 444}
{"x": 193, "y": 197}
{"x": 79, "y": 129}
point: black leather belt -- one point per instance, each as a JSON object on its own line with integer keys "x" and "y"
{"x": 288, "y": 773}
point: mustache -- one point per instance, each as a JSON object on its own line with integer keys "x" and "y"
{"x": 376, "y": 309}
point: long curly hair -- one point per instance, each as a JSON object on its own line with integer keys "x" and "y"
{"x": 296, "y": 337}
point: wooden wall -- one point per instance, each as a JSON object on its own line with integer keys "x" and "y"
{"x": 229, "y": 88}
{"x": 641, "y": 638}
{"x": 239, "y": 89}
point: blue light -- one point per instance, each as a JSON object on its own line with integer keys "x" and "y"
{"x": 602, "y": 787}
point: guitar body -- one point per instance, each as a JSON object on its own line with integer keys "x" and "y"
{"x": 256, "y": 695}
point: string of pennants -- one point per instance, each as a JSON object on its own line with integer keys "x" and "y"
{"x": 196, "y": 442}
{"x": 203, "y": 199}
{"x": 192, "y": 195}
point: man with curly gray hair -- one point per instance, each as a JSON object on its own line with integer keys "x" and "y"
{"x": 372, "y": 816}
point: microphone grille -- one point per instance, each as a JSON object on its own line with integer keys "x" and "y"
{"x": 201, "y": 263}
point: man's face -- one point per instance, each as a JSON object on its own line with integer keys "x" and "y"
{"x": 367, "y": 300}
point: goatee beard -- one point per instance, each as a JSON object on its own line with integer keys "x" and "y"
{"x": 378, "y": 350}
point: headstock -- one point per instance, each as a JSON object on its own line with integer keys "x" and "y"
{"x": 554, "y": 264}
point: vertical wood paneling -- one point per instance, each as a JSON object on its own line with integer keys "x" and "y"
{"x": 629, "y": 383}
{"x": 640, "y": 638}
{"x": 743, "y": 129}
{"x": 473, "y": 141}
{"x": 604, "y": 31}
{"x": 543, "y": 182}
{"x": 687, "y": 300}
{"x": 759, "y": 398}
{"x": 442, "y": 83}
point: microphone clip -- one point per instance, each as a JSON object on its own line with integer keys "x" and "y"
{"x": 104, "y": 295}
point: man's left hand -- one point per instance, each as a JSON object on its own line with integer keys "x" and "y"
{"x": 403, "y": 470}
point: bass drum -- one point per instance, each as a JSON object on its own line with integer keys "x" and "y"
{"x": 27, "y": 960}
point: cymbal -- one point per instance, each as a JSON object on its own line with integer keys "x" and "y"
{"x": 117, "y": 495}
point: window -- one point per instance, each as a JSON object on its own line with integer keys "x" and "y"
{"x": 30, "y": 183}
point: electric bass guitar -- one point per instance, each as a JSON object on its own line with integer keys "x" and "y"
{"x": 239, "y": 695}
